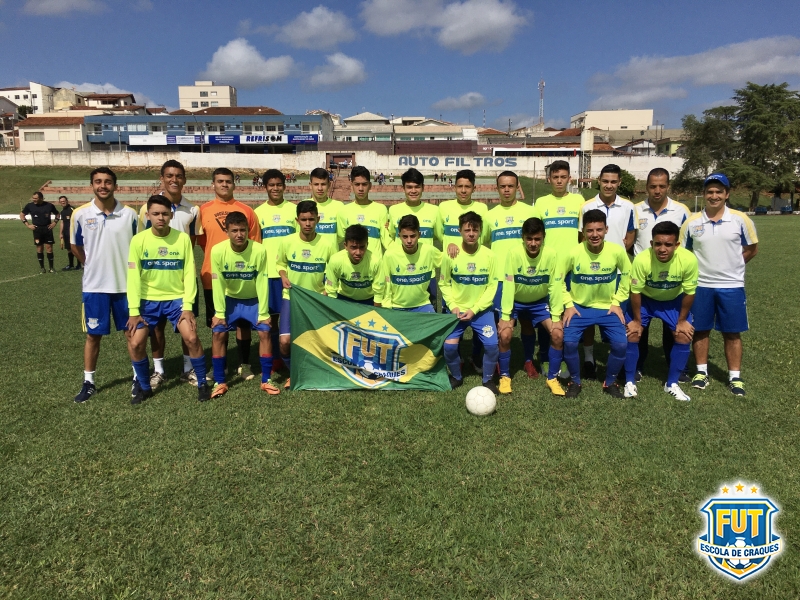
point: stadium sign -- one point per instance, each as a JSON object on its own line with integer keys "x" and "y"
{"x": 305, "y": 138}
{"x": 457, "y": 161}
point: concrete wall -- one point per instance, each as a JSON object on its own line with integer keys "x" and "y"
{"x": 530, "y": 166}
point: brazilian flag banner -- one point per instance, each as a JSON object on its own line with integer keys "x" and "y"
{"x": 341, "y": 345}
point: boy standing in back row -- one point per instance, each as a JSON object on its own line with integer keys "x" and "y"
{"x": 364, "y": 212}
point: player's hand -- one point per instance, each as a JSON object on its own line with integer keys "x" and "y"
{"x": 29, "y": 226}
{"x": 133, "y": 324}
{"x": 686, "y": 329}
{"x": 634, "y": 330}
{"x": 188, "y": 316}
{"x": 456, "y": 311}
{"x": 466, "y": 316}
{"x": 616, "y": 310}
{"x": 53, "y": 224}
{"x": 452, "y": 250}
{"x": 568, "y": 314}
{"x": 217, "y": 322}
{"x": 286, "y": 283}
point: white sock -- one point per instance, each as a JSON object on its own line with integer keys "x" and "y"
{"x": 702, "y": 369}
{"x": 733, "y": 374}
{"x": 158, "y": 365}
{"x": 588, "y": 353}
{"x": 88, "y": 376}
{"x": 187, "y": 363}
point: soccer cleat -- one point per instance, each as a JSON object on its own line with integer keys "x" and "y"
{"x": 573, "y": 390}
{"x": 245, "y": 372}
{"x": 79, "y": 267}
{"x": 491, "y": 386}
{"x": 505, "y": 385}
{"x": 220, "y": 389}
{"x": 684, "y": 377}
{"x": 676, "y": 392}
{"x": 189, "y": 377}
{"x": 555, "y": 387}
{"x": 42, "y": 271}
{"x": 630, "y": 390}
{"x": 736, "y": 386}
{"x": 455, "y": 383}
{"x": 135, "y": 387}
{"x": 203, "y": 393}
{"x": 700, "y": 381}
{"x": 288, "y": 383}
{"x": 87, "y": 391}
{"x": 67, "y": 268}
{"x": 589, "y": 370}
{"x": 638, "y": 376}
{"x": 270, "y": 388}
{"x": 51, "y": 270}
{"x": 563, "y": 374}
{"x": 478, "y": 367}
{"x": 530, "y": 369}
{"x": 141, "y": 396}
{"x": 613, "y": 390}
{"x": 156, "y": 379}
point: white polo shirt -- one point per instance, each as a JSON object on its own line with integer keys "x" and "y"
{"x": 718, "y": 247}
{"x": 185, "y": 218}
{"x": 106, "y": 240}
{"x": 619, "y": 217}
{"x": 646, "y": 219}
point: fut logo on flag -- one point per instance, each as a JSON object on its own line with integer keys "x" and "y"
{"x": 739, "y": 538}
{"x": 369, "y": 356}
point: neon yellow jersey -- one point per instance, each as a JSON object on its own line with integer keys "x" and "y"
{"x": 343, "y": 278}
{"x": 373, "y": 216}
{"x": 304, "y": 262}
{"x": 161, "y": 268}
{"x": 328, "y": 211}
{"x": 664, "y": 281}
{"x": 427, "y": 214}
{"x": 529, "y": 279}
{"x": 449, "y": 212}
{"x": 560, "y": 217}
{"x": 275, "y": 222}
{"x": 503, "y": 226}
{"x": 469, "y": 281}
{"x": 241, "y": 275}
{"x": 593, "y": 277}
{"x": 405, "y": 277}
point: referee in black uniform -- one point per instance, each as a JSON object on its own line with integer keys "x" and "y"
{"x": 44, "y": 217}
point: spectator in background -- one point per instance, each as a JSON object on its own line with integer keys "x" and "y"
{"x": 63, "y": 230}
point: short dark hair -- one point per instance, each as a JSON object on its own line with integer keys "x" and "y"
{"x": 307, "y": 206}
{"x": 235, "y": 218}
{"x": 667, "y": 228}
{"x": 611, "y": 169}
{"x": 221, "y": 171}
{"x": 594, "y": 216}
{"x": 64, "y": 197}
{"x": 507, "y": 174}
{"x": 533, "y": 226}
{"x": 412, "y": 176}
{"x": 273, "y": 174}
{"x": 104, "y": 171}
{"x": 172, "y": 163}
{"x": 466, "y": 174}
{"x": 360, "y": 171}
{"x": 160, "y": 200}
{"x": 470, "y": 218}
{"x": 356, "y": 233}
{"x": 559, "y": 165}
{"x": 39, "y": 195}
{"x": 318, "y": 173}
{"x": 657, "y": 172}
{"x": 408, "y": 222}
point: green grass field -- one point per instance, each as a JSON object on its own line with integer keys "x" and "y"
{"x": 380, "y": 495}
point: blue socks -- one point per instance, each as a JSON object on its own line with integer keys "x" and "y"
{"x": 528, "y": 345}
{"x": 554, "y": 358}
{"x": 631, "y": 361}
{"x": 142, "y": 370}
{"x": 572, "y": 360}
{"x": 453, "y": 359}
{"x": 505, "y": 363}
{"x": 218, "y": 365}
{"x": 266, "y": 367}
{"x": 199, "y": 366}
{"x": 616, "y": 359}
{"x": 287, "y": 361}
{"x": 490, "y": 354}
{"x": 678, "y": 358}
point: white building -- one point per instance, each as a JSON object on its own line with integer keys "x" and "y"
{"x": 52, "y": 133}
{"x": 613, "y": 119}
{"x": 206, "y": 94}
{"x": 36, "y": 95}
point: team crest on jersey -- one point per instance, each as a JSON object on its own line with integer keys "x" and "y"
{"x": 321, "y": 216}
{"x": 487, "y": 331}
{"x": 561, "y": 210}
{"x": 739, "y": 538}
{"x": 162, "y": 251}
{"x": 642, "y": 224}
{"x": 530, "y": 270}
{"x": 594, "y": 266}
{"x": 698, "y": 230}
{"x": 276, "y": 218}
{"x": 663, "y": 274}
{"x": 355, "y": 276}
{"x": 411, "y": 268}
{"x": 368, "y": 352}
{"x": 471, "y": 267}
{"x": 92, "y": 323}
{"x": 239, "y": 264}
{"x": 361, "y": 218}
{"x": 306, "y": 253}
{"x": 91, "y": 224}
{"x": 509, "y": 220}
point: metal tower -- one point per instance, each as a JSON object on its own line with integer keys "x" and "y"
{"x": 541, "y": 102}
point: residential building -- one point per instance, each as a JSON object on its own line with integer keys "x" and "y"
{"x": 613, "y": 119}
{"x": 669, "y": 146}
{"x": 364, "y": 127}
{"x": 37, "y": 96}
{"x": 206, "y": 94}
{"x": 43, "y": 133}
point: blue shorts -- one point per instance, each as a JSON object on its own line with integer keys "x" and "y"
{"x": 483, "y": 326}
{"x": 153, "y": 311}
{"x": 666, "y": 310}
{"x": 536, "y": 312}
{"x": 498, "y": 300}
{"x": 285, "y": 324}
{"x": 366, "y": 302}
{"x": 241, "y": 313}
{"x": 723, "y": 309}
{"x": 275, "y": 295}
{"x": 98, "y": 308}
{"x": 610, "y": 326}
{"x": 425, "y": 308}
{"x": 433, "y": 290}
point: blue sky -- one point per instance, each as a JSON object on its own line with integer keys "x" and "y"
{"x": 452, "y": 58}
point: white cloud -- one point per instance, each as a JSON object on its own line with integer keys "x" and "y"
{"x": 463, "y": 102}
{"x": 320, "y": 28}
{"x": 106, "y": 88}
{"x": 647, "y": 79}
{"x": 340, "y": 71}
{"x": 466, "y": 26}
{"x": 62, "y": 7}
{"x": 239, "y": 64}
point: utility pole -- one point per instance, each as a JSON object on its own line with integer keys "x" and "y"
{"x": 541, "y": 102}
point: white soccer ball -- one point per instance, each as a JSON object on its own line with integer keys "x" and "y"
{"x": 481, "y": 401}
{"x": 736, "y": 562}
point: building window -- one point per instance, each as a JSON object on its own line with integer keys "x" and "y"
{"x": 248, "y": 129}
{"x": 190, "y": 129}
{"x": 204, "y": 94}
{"x": 156, "y": 128}
{"x": 16, "y": 97}
{"x": 259, "y": 128}
{"x": 280, "y": 128}
{"x": 419, "y": 139}
{"x": 623, "y": 127}
{"x": 204, "y": 105}
{"x": 195, "y": 105}
{"x": 213, "y": 93}
{"x": 34, "y": 136}
{"x": 272, "y": 128}
{"x": 222, "y": 128}
{"x": 118, "y": 128}
{"x": 34, "y": 96}
{"x": 211, "y": 127}
{"x": 64, "y": 135}
{"x": 25, "y": 96}
{"x": 137, "y": 127}
{"x": 214, "y": 103}
{"x": 95, "y": 130}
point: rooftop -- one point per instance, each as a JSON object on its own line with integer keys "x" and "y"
{"x": 229, "y": 110}
{"x": 50, "y": 121}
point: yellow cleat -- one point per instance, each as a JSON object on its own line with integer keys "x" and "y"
{"x": 505, "y": 385}
{"x": 270, "y": 388}
{"x": 555, "y": 387}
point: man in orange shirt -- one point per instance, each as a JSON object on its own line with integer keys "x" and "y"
{"x": 212, "y": 217}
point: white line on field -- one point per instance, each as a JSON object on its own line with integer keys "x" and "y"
{"x": 18, "y": 279}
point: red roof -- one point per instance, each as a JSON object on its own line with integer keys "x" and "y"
{"x": 569, "y": 132}
{"x": 50, "y": 121}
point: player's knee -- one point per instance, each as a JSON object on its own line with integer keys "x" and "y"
{"x": 556, "y": 338}
{"x": 729, "y": 337}
{"x": 682, "y": 338}
{"x": 286, "y": 346}
{"x": 619, "y": 348}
